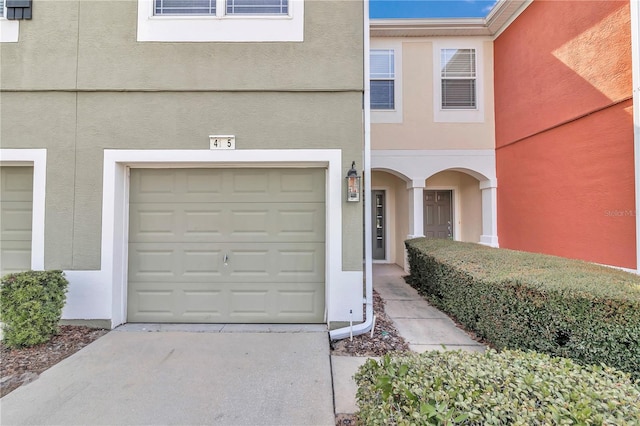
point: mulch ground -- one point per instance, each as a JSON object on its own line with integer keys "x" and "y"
{"x": 21, "y": 366}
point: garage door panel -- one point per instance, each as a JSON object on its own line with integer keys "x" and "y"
{"x": 16, "y": 183}
{"x": 230, "y": 222}
{"x": 16, "y": 207}
{"x": 191, "y": 302}
{"x": 200, "y": 223}
{"x": 227, "y": 245}
{"x": 15, "y": 256}
{"x": 296, "y": 301}
{"x": 202, "y": 262}
{"x": 204, "y": 304}
{"x": 250, "y": 303}
{"x": 226, "y": 185}
{"x": 258, "y": 262}
{"x": 15, "y": 223}
{"x": 151, "y": 262}
{"x": 153, "y": 223}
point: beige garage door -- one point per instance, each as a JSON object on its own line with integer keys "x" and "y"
{"x": 227, "y": 245}
{"x": 16, "y": 205}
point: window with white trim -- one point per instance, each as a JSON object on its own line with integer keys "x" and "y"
{"x": 382, "y": 79}
{"x": 221, "y": 20}
{"x": 458, "y": 79}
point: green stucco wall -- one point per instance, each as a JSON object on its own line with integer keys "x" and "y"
{"x": 77, "y": 83}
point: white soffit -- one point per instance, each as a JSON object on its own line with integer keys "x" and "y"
{"x": 498, "y": 18}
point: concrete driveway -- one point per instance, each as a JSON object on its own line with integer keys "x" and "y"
{"x": 162, "y": 376}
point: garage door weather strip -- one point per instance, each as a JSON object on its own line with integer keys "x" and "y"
{"x": 367, "y": 325}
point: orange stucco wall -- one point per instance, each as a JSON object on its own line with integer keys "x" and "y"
{"x": 564, "y": 132}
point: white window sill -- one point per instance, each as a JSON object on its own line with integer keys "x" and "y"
{"x": 459, "y": 116}
{"x": 9, "y": 31}
{"x": 386, "y": 116}
{"x": 221, "y": 29}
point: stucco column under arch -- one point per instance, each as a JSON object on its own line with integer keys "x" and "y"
{"x": 489, "y": 189}
{"x": 416, "y": 207}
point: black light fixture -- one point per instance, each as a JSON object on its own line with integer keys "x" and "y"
{"x": 353, "y": 184}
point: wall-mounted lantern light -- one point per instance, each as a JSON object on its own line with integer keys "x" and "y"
{"x": 353, "y": 184}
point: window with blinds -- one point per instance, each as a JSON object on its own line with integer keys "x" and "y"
{"x": 458, "y": 78}
{"x": 185, "y": 7}
{"x": 382, "y": 78}
{"x": 233, "y": 7}
{"x": 257, "y": 7}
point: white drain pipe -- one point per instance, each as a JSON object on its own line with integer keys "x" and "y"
{"x": 367, "y": 325}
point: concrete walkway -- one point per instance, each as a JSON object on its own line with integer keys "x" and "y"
{"x": 424, "y": 328}
{"x": 184, "y": 377}
{"x": 220, "y": 374}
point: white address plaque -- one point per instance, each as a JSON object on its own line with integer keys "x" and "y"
{"x": 222, "y": 141}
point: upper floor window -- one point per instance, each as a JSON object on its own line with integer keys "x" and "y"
{"x": 221, "y": 20}
{"x": 460, "y": 66}
{"x": 458, "y": 78}
{"x": 216, "y": 7}
{"x": 1, "y": 8}
{"x": 382, "y": 78}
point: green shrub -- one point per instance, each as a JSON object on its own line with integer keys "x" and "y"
{"x": 31, "y": 306}
{"x": 491, "y": 388}
{"x": 529, "y": 301}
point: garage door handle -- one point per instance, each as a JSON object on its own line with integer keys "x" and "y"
{"x": 225, "y": 260}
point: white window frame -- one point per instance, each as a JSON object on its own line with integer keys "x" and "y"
{"x": 9, "y": 30}
{"x": 221, "y": 27}
{"x": 390, "y": 115}
{"x": 466, "y": 115}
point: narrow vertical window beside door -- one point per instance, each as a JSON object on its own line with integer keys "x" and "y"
{"x": 382, "y": 79}
{"x": 458, "y": 78}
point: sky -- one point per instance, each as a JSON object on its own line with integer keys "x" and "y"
{"x": 430, "y": 8}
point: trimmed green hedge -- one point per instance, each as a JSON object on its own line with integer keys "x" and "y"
{"x": 31, "y": 306}
{"x": 519, "y": 300}
{"x": 506, "y": 388}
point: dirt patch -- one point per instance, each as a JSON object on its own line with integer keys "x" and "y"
{"x": 22, "y": 366}
{"x": 385, "y": 338}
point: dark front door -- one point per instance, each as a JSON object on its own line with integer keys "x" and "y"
{"x": 438, "y": 214}
{"x": 378, "y": 216}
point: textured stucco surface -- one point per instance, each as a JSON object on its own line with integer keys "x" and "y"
{"x": 92, "y": 45}
{"x": 418, "y": 129}
{"x": 110, "y": 120}
{"x": 78, "y": 82}
{"x": 564, "y": 132}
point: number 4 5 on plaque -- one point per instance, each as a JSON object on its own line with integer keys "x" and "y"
{"x": 222, "y": 141}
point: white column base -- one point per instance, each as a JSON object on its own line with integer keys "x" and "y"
{"x": 489, "y": 240}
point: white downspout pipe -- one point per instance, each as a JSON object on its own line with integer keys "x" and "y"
{"x": 635, "y": 71}
{"x": 341, "y": 333}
